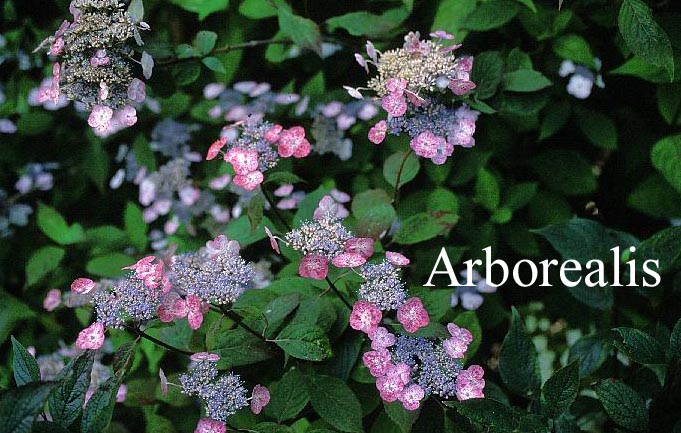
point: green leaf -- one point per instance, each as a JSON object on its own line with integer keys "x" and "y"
{"x": 492, "y": 416}
{"x": 451, "y": 17}
{"x": 66, "y": 400}
{"x": 565, "y": 171}
{"x": 375, "y": 221}
{"x": 368, "y": 24}
{"x": 110, "y": 265}
{"x": 97, "y": 414}
{"x": 42, "y": 262}
{"x": 598, "y": 128}
{"x": 487, "y": 190}
{"x": 675, "y": 340}
{"x": 214, "y": 64}
{"x": 202, "y": 7}
{"x": 238, "y": 347}
{"x": 403, "y": 418}
{"x": 623, "y": 404}
{"x": 639, "y": 346}
{"x": 583, "y": 240}
{"x": 304, "y": 341}
{"x": 257, "y": 9}
{"x": 666, "y": 157}
{"x": 655, "y": 197}
{"x": 669, "y": 102}
{"x": 335, "y": 402}
{"x": 240, "y": 230}
{"x": 529, "y": 4}
{"x": 277, "y": 310}
{"x": 574, "y": 47}
{"x": 282, "y": 177}
{"x": 525, "y": 80}
{"x": 662, "y": 246}
{"x": 556, "y": 117}
{"x": 644, "y": 36}
{"x": 491, "y": 15}
{"x": 488, "y": 69}
{"x": 19, "y": 407}
{"x": 135, "y": 227}
{"x": 12, "y": 311}
{"x": 591, "y": 351}
{"x": 186, "y": 73}
{"x": 205, "y": 41}
{"x": 254, "y": 211}
{"x": 289, "y": 396}
{"x": 520, "y": 195}
{"x": 518, "y": 363}
{"x": 55, "y": 227}
{"x": 123, "y": 358}
{"x": 25, "y": 366}
{"x": 397, "y": 166}
{"x": 418, "y": 228}
{"x": 303, "y": 31}
{"x": 560, "y": 391}
{"x": 364, "y": 202}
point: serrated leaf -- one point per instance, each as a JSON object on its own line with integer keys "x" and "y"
{"x": 19, "y": 407}
{"x": 488, "y": 69}
{"x": 560, "y": 390}
{"x": 25, "y": 366}
{"x": 623, "y": 405}
{"x": 289, "y": 396}
{"x": 368, "y": 24}
{"x": 202, "y": 7}
{"x": 257, "y": 9}
{"x": 644, "y": 36}
{"x": 304, "y": 341}
{"x": 110, "y": 265}
{"x": 565, "y": 171}
{"x": 335, "y": 402}
{"x": 598, "y": 128}
{"x": 639, "y": 346}
{"x": 494, "y": 417}
{"x": 574, "y": 47}
{"x": 66, "y": 400}
{"x": 99, "y": 409}
{"x": 491, "y": 15}
{"x": 401, "y": 417}
{"x": 238, "y": 347}
{"x": 518, "y": 364}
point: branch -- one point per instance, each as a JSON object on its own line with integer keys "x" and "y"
{"x": 396, "y": 195}
{"x": 225, "y": 49}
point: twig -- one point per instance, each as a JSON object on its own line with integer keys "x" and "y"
{"x": 225, "y": 49}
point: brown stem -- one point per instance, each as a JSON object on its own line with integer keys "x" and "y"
{"x": 396, "y": 195}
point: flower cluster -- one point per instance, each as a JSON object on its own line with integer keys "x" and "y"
{"x": 252, "y": 151}
{"x": 94, "y": 64}
{"x": 216, "y": 273}
{"x": 34, "y": 177}
{"x": 223, "y": 394}
{"x": 331, "y": 121}
{"x": 582, "y": 79}
{"x": 408, "y": 368}
{"x": 410, "y": 82}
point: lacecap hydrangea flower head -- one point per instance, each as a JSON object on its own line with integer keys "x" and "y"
{"x": 181, "y": 287}
{"x": 94, "y": 64}
{"x": 254, "y": 146}
{"x": 416, "y": 85}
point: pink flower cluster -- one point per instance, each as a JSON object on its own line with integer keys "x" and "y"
{"x": 395, "y": 380}
{"x": 366, "y": 317}
{"x": 151, "y": 270}
{"x": 174, "y": 307}
{"x": 251, "y": 154}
